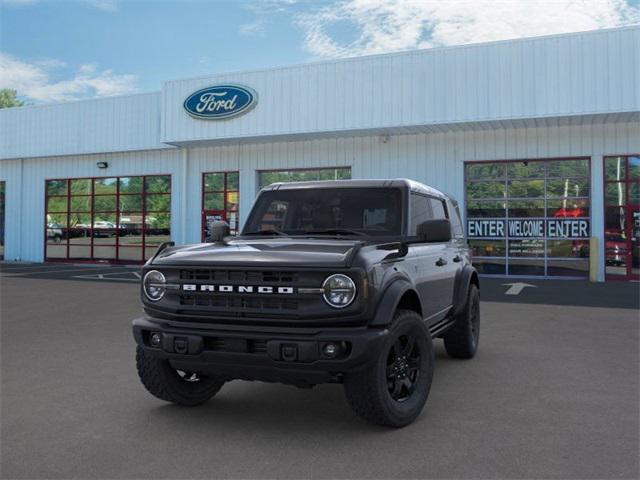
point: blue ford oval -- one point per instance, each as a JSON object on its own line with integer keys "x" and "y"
{"x": 220, "y": 101}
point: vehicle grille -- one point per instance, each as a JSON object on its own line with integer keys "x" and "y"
{"x": 219, "y": 344}
{"x": 236, "y": 302}
{"x": 240, "y": 276}
{"x": 216, "y": 305}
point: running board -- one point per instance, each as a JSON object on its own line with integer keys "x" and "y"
{"x": 440, "y": 327}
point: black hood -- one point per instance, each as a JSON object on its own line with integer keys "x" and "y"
{"x": 283, "y": 252}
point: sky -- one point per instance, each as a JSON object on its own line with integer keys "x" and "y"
{"x": 54, "y": 50}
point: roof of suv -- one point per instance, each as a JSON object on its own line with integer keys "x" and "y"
{"x": 396, "y": 182}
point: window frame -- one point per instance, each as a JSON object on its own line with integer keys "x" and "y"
{"x": 143, "y": 212}
{"x": 627, "y": 207}
{"x": 545, "y": 199}
{"x": 225, "y": 208}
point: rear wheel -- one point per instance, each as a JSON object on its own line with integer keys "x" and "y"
{"x": 175, "y": 386}
{"x": 393, "y": 391}
{"x": 461, "y": 340}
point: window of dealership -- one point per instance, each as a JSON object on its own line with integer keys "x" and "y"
{"x": 114, "y": 219}
{"x": 622, "y": 217}
{"x": 529, "y": 217}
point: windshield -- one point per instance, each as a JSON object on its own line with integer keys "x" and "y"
{"x": 336, "y": 211}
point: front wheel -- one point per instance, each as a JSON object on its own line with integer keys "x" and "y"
{"x": 175, "y": 386}
{"x": 394, "y": 389}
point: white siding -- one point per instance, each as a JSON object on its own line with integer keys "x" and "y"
{"x": 115, "y": 124}
{"x": 592, "y": 73}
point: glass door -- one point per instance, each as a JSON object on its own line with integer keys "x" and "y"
{"x": 622, "y": 217}
{"x": 220, "y": 191}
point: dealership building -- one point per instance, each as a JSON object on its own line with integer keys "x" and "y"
{"x": 537, "y": 138}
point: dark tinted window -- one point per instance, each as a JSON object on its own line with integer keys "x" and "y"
{"x": 456, "y": 223}
{"x": 437, "y": 207}
{"x": 420, "y": 211}
{"x": 372, "y": 211}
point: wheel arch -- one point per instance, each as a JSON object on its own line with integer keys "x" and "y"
{"x": 467, "y": 277}
{"x": 400, "y": 294}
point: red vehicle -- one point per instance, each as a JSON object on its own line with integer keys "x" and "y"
{"x": 569, "y": 213}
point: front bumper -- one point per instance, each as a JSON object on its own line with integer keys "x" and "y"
{"x": 286, "y": 355}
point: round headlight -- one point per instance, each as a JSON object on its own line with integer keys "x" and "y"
{"x": 339, "y": 290}
{"x": 154, "y": 285}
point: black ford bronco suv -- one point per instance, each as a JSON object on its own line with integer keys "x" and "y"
{"x": 340, "y": 281}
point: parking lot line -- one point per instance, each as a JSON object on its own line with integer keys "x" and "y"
{"x": 26, "y": 272}
{"x": 103, "y": 276}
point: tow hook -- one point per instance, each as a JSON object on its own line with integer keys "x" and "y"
{"x": 289, "y": 353}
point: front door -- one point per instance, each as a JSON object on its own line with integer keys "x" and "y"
{"x": 622, "y": 217}
{"x": 220, "y": 192}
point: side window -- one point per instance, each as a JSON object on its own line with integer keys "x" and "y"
{"x": 420, "y": 211}
{"x": 437, "y": 206}
{"x": 454, "y": 217}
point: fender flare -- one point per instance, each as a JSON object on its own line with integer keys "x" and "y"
{"x": 464, "y": 279}
{"x": 389, "y": 302}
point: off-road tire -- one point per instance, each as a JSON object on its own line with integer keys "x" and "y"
{"x": 461, "y": 340}
{"x": 165, "y": 383}
{"x": 368, "y": 391}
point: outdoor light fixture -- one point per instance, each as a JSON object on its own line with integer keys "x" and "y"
{"x": 102, "y": 165}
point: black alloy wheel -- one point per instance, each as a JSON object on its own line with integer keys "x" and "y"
{"x": 403, "y": 368}
{"x": 393, "y": 389}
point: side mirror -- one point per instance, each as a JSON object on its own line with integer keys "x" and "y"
{"x": 217, "y": 231}
{"x": 434, "y": 231}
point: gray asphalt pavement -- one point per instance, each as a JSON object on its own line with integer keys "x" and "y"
{"x": 553, "y": 393}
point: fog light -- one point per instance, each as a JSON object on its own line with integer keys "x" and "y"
{"x": 330, "y": 350}
{"x": 156, "y": 339}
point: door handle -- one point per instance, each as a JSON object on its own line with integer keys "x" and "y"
{"x": 441, "y": 262}
{"x": 457, "y": 258}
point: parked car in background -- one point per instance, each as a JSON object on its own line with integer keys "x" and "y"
{"x": 104, "y": 229}
{"x": 54, "y": 232}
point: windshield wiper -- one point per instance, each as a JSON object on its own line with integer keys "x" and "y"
{"x": 334, "y": 231}
{"x": 268, "y": 231}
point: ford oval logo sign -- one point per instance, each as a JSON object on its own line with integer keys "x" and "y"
{"x": 220, "y": 101}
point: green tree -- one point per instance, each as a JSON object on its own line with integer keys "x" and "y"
{"x": 8, "y": 98}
